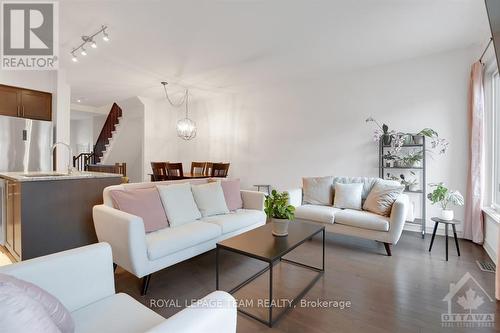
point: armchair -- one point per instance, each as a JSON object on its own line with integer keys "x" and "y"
{"x": 82, "y": 279}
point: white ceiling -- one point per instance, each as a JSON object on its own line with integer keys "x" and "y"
{"x": 227, "y": 45}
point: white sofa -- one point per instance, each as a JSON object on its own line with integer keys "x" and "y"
{"x": 142, "y": 253}
{"x": 82, "y": 279}
{"x": 359, "y": 223}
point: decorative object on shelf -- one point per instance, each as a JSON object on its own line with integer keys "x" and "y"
{"x": 436, "y": 142}
{"x": 445, "y": 197}
{"x": 407, "y": 139}
{"x": 279, "y": 211}
{"x": 89, "y": 40}
{"x": 186, "y": 128}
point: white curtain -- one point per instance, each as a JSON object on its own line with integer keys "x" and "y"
{"x": 473, "y": 221}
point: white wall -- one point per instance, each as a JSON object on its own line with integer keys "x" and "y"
{"x": 160, "y": 138}
{"x": 277, "y": 133}
{"x": 81, "y": 133}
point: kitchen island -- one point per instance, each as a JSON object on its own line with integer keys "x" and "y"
{"x": 48, "y": 212}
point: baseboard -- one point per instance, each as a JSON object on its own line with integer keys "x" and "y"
{"x": 489, "y": 250}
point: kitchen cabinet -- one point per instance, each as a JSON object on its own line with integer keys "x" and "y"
{"x": 13, "y": 225}
{"x": 9, "y": 101}
{"x": 49, "y": 214}
{"x": 25, "y": 103}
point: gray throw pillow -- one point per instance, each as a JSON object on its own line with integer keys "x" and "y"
{"x": 318, "y": 190}
{"x": 382, "y": 196}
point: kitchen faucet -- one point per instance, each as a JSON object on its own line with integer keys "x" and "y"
{"x": 70, "y": 151}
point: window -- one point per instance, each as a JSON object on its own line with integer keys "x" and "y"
{"x": 494, "y": 148}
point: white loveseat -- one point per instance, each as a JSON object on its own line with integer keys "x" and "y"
{"x": 142, "y": 253}
{"x": 359, "y": 223}
{"x": 82, "y": 279}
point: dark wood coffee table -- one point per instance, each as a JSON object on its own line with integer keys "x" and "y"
{"x": 260, "y": 244}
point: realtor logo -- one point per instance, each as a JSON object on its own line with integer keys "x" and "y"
{"x": 29, "y": 35}
{"x": 465, "y": 300}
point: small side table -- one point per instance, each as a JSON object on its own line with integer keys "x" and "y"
{"x": 437, "y": 220}
{"x": 265, "y": 186}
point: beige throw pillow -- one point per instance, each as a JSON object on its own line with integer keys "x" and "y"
{"x": 382, "y": 196}
{"x": 348, "y": 195}
{"x": 318, "y": 190}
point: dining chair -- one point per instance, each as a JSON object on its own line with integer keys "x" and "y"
{"x": 220, "y": 170}
{"x": 159, "y": 170}
{"x": 174, "y": 171}
{"x": 207, "y": 171}
{"x": 198, "y": 167}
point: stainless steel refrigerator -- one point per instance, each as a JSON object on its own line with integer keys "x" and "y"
{"x": 25, "y": 144}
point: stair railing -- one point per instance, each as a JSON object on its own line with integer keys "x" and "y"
{"x": 107, "y": 131}
{"x": 81, "y": 161}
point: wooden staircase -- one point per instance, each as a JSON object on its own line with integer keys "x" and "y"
{"x": 108, "y": 128}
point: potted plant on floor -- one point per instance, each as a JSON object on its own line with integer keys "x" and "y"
{"x": 279, "y": 211}
{"x": 445, "y": 197}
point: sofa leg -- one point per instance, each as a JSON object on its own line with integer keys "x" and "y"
{"x": 388, "y": 249}
{"x": 145, "y": 284}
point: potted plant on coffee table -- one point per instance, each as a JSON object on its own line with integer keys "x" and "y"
{"x": 279, "y": 211}
{"x": 445, "y": 198}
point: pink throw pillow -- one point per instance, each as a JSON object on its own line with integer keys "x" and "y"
{"x": 145, "y": 203}
{"x": 25, "y": 307}
{"x": 231, "y": 189}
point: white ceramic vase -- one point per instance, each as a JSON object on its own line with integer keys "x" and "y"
{"x": 280, "y": 227}
{"x": 447, "y": 214}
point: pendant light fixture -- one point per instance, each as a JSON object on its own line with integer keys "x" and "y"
{"x": 186, "y": 128}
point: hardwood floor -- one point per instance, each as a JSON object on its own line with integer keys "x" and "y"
{"x": 402, "y": 293}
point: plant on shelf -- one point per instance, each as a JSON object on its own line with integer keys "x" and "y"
{"x": 445, "y": 197}
{"x": 411, "y": 159}
{"x": 409, "y": 184}
{"x": 436, "y": 142}
{"x": 279, "y": 211}
{"x": 389, "y": 138}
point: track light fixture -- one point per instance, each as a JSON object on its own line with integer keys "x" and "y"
{"x": 91, "y": 41}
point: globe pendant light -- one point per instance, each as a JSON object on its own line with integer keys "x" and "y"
{"x": 186, "y": 128}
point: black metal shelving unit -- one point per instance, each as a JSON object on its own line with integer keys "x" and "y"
{"x": 421, "y": 170}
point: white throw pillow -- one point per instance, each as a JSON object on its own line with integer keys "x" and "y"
{"x": 318, "y": 190}
{"x": 179, "y": 203}
{"x": 348, "y": 195}
{"x": 210, "y": 199}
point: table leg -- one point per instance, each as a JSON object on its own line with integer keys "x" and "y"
{"x": 270, "y": 324}
{"x": 217, "y": 268}
{"x": 323, "y": 266}
{"x": 456, "y": 239}
{"x": 433, "y": 235}
{"x": 446, "y": 236}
